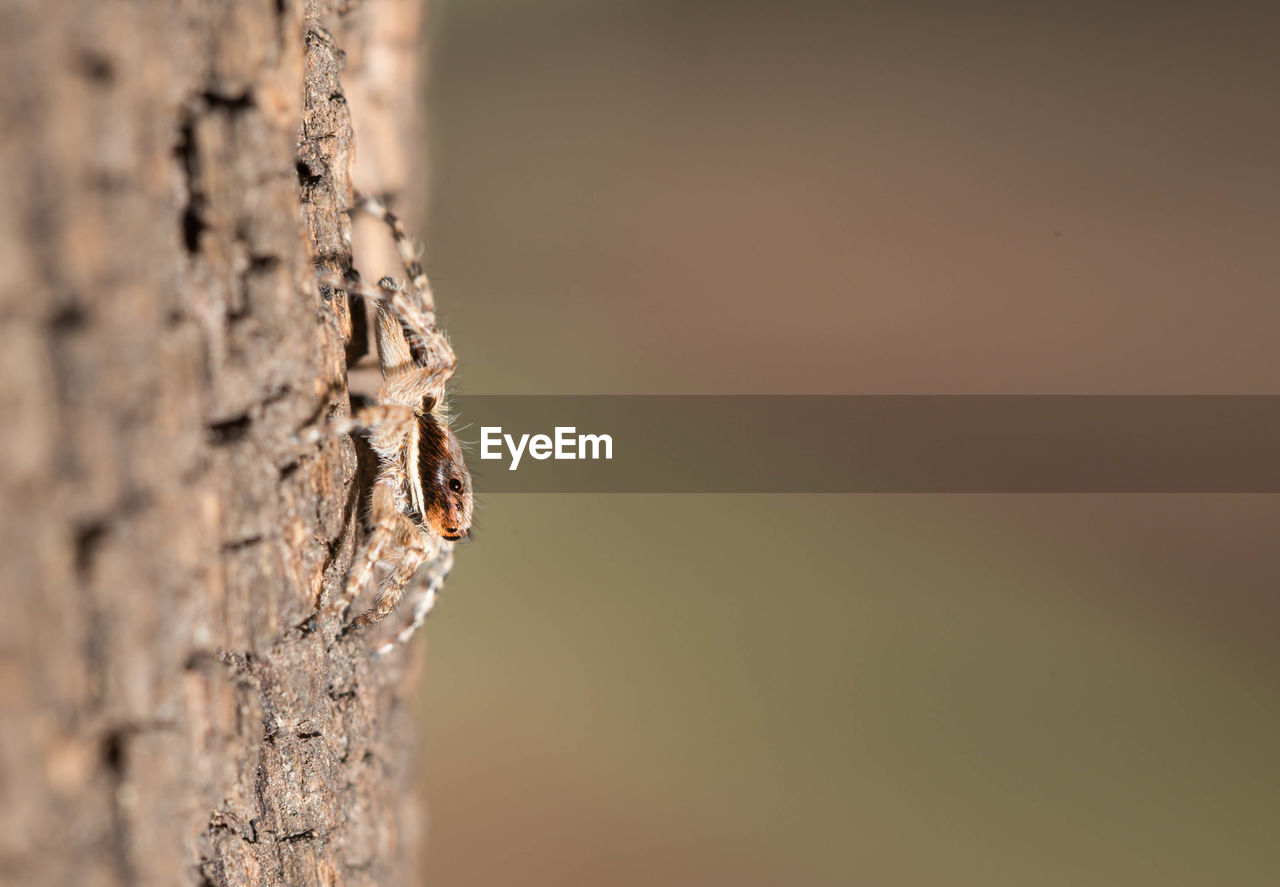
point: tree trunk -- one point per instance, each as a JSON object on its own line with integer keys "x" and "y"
{"x": 170, "y": 175}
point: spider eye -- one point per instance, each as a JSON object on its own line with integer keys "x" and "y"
{"x": 455, "y": 485}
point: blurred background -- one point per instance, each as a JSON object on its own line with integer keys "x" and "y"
{"x": 631, "y": 196}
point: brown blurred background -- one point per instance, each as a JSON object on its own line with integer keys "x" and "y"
{"x": 655, "y": 197}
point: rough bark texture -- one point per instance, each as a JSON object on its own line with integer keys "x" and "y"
{"x": 169, "y": 175}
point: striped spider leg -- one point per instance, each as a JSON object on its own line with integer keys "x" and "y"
{"x": 428, "y": 582}
{"x": 421, "y": 501}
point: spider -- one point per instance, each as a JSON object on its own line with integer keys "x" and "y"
{"x": 421, "y": 501}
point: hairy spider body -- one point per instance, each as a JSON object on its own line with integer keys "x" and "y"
{"x": 421, "y": 501}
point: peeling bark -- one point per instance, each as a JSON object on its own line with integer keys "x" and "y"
{"x": 172, "y": 173}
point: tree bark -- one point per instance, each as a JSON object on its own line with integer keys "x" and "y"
{"x": 171, "y": 173}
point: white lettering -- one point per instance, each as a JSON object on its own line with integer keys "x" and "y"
{"x": 516, "y": 452}
{"x": 542, "y": 446}
{"x": 595, "y": 441}
{"x": 491, "y": 436}
{"x": 564, "y": 440}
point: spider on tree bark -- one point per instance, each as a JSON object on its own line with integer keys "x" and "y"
{"x": 421, "y": 502}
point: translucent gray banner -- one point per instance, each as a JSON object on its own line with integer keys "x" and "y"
{"x": 881, "y": 444}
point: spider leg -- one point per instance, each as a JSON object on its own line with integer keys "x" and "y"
{"x": 416, "y": 547}
{"x": 405, "y": 246}
{"x": 388, "y": 423}
{"x": 417, "y": 321}
{"x": 412, "y": 383}
{"x": 389, "y": 524}
{"x": 401, "y": 321}
{"x": 425, "y": 590}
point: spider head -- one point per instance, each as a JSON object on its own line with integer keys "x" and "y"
{"x": 446, "y": 483}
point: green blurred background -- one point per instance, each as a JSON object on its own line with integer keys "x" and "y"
{"x": 655, "y": 197}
